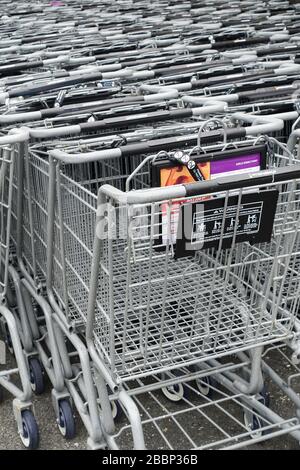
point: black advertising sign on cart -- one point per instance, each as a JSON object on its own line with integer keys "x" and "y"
{"x": 204, "y": 223}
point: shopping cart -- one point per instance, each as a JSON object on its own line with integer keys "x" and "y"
{"x": 14, "y": 321}
{"x": 153, "y": 309}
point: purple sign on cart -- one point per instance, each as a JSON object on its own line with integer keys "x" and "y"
{"x": 235, "y": 165}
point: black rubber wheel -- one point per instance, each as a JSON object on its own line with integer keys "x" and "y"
{"x": 66, "y": 421}
{"x": 36, "y": 376}
{"x": 30, "y": 435}
{"x": 264, "y": 397}
{"x": 256, "y": 423}
{"x": 178, "y": 391}
{"x": 1, "y": 394}
{"x": 116, "y": 410}
{"x": 204, "y": 385}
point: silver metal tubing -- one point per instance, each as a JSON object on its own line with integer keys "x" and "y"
{"x": 26, "y": 330}
{"x": 85, "y": 157}
{"x": 25, "y": 393}
{"x": 85, "y": 364}
{"x": 158, "y": 93}
{"x": 260, "y": 124}
{"x": 58, "y": 375}
{"x": 294, "y": 136}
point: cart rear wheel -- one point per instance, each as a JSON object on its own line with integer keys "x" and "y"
{"x": 254, "y": 424}
{"x": 36, "y": 376}
{"x": 204, "y": 385}
{"x": 176, "y": 392}
{"x": 116, "y": 409}
{"x": 252, "y": 421}
{"x": 264, "y": 397}
{"x": 30, "y": 432}
{"x": 66, "y": 421}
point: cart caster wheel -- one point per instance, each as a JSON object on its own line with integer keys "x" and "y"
{"x": 254, "y": 424}
{"x": 66, "y": 421}
{"x": 116, "y": 409}
{"x": 36, "y": 376}
{"x": 264, "y": 397}
{"x": 1, "y": 394}
{"x": 204, "y": 385}
{"x": 30, "y": 434}
{"x": 176, "y": 392}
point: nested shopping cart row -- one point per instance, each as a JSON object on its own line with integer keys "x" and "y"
{"x": 75, "y": 261}
{"x": 126, "y": 283}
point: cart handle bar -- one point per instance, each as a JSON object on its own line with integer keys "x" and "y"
{"x": 15, "y": 136}
{"x": 217, "y": 185}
